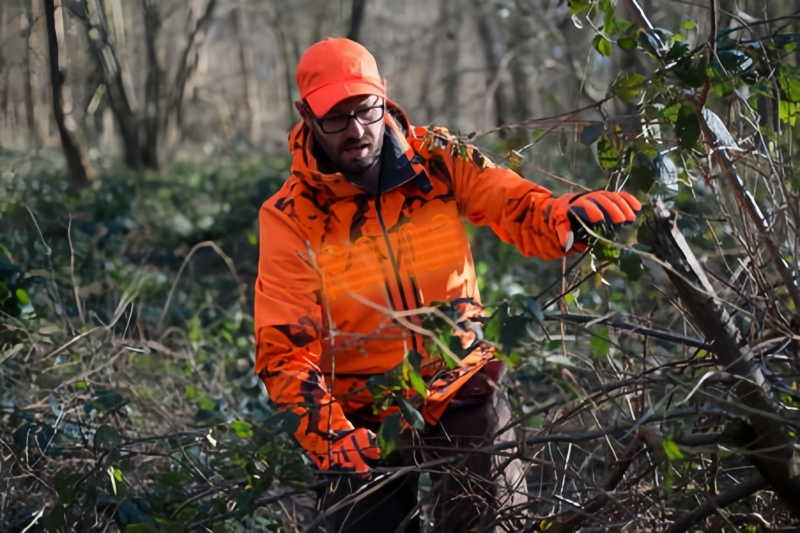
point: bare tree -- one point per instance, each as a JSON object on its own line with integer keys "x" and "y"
{"x": 118, "y": 98}
{"x": 72, "y": 153}
{"x": 26, "y": 69}
{"x": 356, "y": 19}
{"x": 150, "y": 130}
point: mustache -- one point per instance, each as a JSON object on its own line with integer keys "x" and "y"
{"x": 355, "y": 143}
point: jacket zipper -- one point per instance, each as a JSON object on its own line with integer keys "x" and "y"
{"x": 395, "y": 265}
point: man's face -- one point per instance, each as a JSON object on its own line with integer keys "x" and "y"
{"x": 356, "y": 148}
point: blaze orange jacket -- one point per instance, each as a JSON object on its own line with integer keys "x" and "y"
{"x": 341, "y": 272}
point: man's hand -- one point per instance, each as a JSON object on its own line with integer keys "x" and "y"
{"x": 356, "y": 452}
{"x": 592, "y": 209}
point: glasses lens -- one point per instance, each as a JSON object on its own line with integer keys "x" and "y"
{"x": 339, "y": 123}
{"x": 334, "y": 124}
{"x": 370, "y": 114}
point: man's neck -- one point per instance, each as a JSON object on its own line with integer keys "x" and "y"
{"x": 369, "y": 180}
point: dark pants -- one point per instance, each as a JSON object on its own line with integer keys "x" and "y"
{"x": 467, "y": 494}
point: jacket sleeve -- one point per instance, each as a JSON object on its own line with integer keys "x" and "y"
{"x": 288, "y": 320}
{"x": 518, "y": 211}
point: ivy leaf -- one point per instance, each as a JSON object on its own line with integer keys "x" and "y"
{"x": 651, "y": 42}
{"x": 631, "y": 265}
{"x": 643, "y": 172}
{"x": 734, "y": 62}
{"x": 627, "y": 43}
{"x": 602, "y": 45}
{"x": 530, "y": 305}
{"x": 106, "y": 437}
{"x": 607, "y": 154}
{"x": 687, "y": 127}
{"x": 414, "y": 379}
{"x": 591, "y": 132}
{"x": 627, "y": 86}
{"x": 411, "y": 415}
{"x": 244, "y": 430}
{"x": 789, "y": 81}
{"x": 388, "y": 434}
{"x": 600, "y": 342}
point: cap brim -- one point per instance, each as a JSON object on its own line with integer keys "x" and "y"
{"x": 325, "y": 98}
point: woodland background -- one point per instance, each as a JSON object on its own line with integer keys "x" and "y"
{"x": 655, "y": 380}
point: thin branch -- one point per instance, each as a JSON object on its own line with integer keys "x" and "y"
{"x": 732, "y": 495}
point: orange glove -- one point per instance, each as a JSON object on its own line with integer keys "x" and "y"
{"x": 355, "y": 452}
{"x": 595, "y": 208}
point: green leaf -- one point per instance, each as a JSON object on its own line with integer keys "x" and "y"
{"x": 651, "y": 42}
{"x": 411, "y": 415}
{"x": 607, "y": 155}
{"x": 672, "y": 450}
{"x": 787, "y": 112}
{"x": 388, "y": 434}
{"x": 209, "y": 416}
{"x": 243, "y": 429}
{"x": 630, "y": 265}
{"x": 643, "y": 172}
{"x": 602, "y": 45}
{"x": 23, "y": 297}
{"x": 591, "y": 132}
{"x": 104, "y": 400}
{"x": 627, "y": 43}
{"x": 671, "y": 112}
{"x": 106, "y": 437}
{"x": 687, "y": 127}
{"x": 600, "y": 342}
{"x": 531, "y": 306}
{"x": 628, "y": 86}
{"x": 577, "y": 6}
{"x": 688, "y": 25}
{"x": 789, "y": 81}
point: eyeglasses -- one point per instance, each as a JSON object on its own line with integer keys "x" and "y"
{"x": 337, "y": 123}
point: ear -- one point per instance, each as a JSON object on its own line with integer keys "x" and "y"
{"x": 301, "y": 108}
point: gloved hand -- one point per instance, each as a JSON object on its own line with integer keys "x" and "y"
{"x": 594, "y": 209}
{"x": 355, "y": 452}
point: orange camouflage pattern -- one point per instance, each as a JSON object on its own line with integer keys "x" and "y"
{"x": 336, "y": 263}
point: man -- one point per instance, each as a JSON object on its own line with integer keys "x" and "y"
{"x": 367, "y": 229}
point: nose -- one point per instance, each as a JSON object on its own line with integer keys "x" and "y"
{"x": 354, "y": 129}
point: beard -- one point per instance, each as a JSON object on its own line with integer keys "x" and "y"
{"x": 356, "y": 164}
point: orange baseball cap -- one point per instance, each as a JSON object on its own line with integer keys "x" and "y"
{"x": 335, "y": 69}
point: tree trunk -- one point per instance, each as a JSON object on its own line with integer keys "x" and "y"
{"x": 494, "y": 57}
{"x": 152, "y": 102}
{"x": 77, "y": 170}
{"x": 356, "y": 19}
{"x": 175, "y": 103}
{"x": 451, "y": 17}
{"x": 767, "y": 440}
{"x": 118, "y": 99}
{"x": 26, "y": 75}
{"x": 250, "y": 84}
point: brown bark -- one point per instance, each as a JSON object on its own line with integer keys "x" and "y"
{"x": 77, "y": 169}
{"x": 175, "y": 105}
{"x": 493, "y": 53}
{"x": 152, "y": 103}
{"x": 249, "y": 83}
{"x": 356, "y": 19}
{"x": 767, "y": 440}
{"x": 30, "y": 116}
{"x": 118, "y": 99}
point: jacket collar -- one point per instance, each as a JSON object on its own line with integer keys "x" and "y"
{"x": 398, "y": 162}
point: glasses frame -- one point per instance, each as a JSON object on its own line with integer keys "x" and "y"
{"x": 351, "y": 116}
